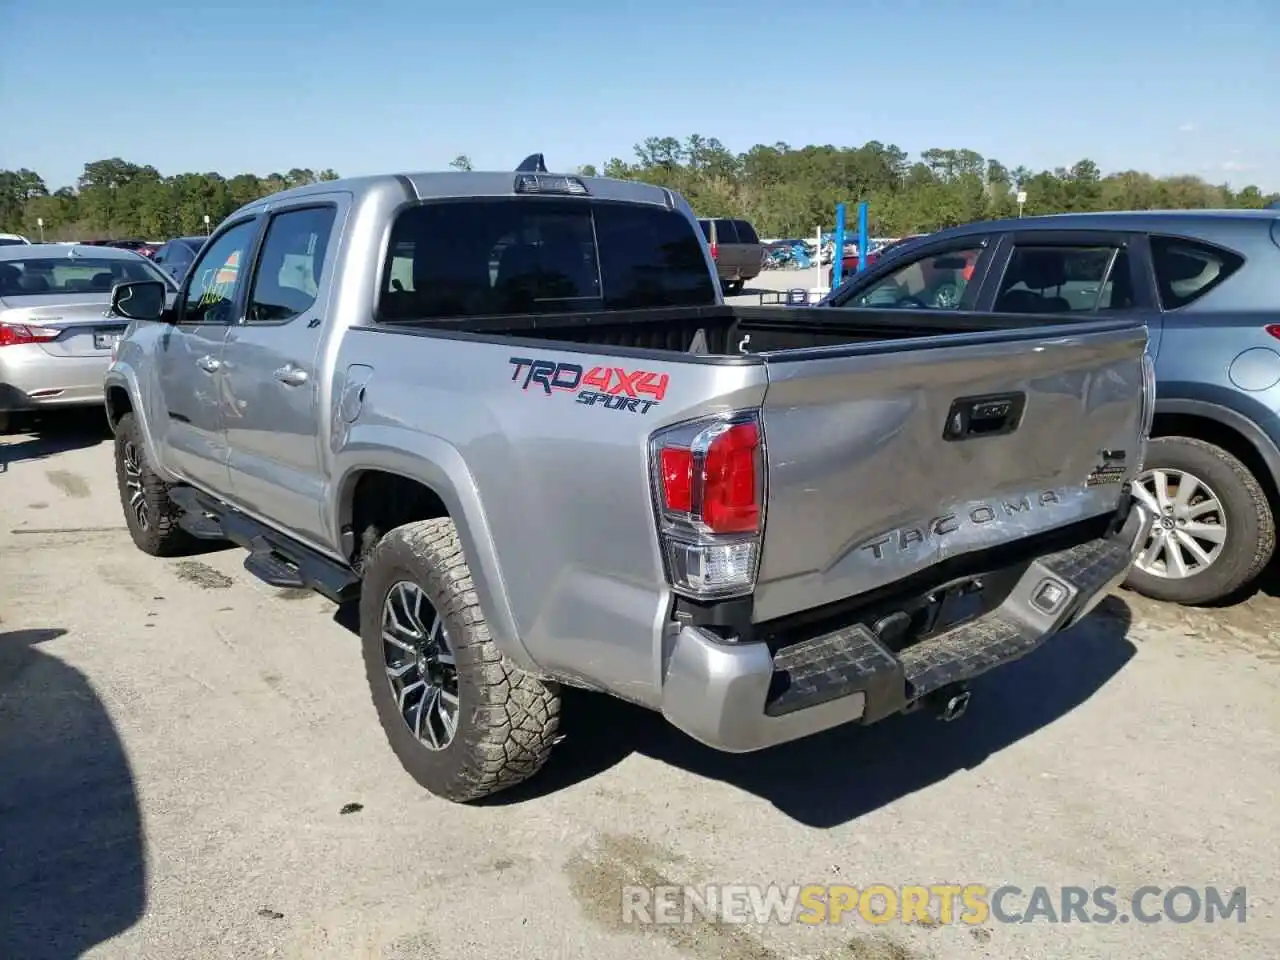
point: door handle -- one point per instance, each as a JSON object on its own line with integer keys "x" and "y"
{"x": 209, "y": 364}
{"x": 291, "y": 376}
{"x": 993, "y": 415}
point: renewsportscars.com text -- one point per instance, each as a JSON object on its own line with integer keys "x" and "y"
{"x": 968, "y": 904}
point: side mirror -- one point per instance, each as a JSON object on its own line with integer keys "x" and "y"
{"x": 139, "y": 300}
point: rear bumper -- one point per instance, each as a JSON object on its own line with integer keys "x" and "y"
{"x": 31, "y": 379}
{"x": 740, "y": 697}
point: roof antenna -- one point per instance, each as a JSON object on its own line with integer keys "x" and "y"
{"x": 532, "y": 164}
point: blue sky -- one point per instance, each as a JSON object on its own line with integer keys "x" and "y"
{"x": 1167, "y": 86}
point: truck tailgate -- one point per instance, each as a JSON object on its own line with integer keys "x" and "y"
{"x": 885, "y": 458}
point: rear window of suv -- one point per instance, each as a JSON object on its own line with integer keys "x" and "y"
{"x": 725, "y": 233}
{"x": 1187, "y": 269}
{"x": 746, "y": 232}
{"x": 486, "y": 257}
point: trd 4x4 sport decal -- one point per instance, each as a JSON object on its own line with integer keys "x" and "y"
{"x": 614, "y": 388}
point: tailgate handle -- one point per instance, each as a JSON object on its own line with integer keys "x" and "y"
{"x": 992, "y": 415}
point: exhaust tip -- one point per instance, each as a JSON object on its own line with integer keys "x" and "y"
{"x": 949, "y": 703}
{"x": 955, "y": 707}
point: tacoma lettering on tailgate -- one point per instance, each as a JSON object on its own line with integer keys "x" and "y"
{"x": 904, "y": 538}
{"x": 614, "y": 388}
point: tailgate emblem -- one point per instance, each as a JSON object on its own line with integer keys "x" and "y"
{"x": 977, "y": 515}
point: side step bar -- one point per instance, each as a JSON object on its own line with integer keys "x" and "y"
{"x": 273, "y": 557}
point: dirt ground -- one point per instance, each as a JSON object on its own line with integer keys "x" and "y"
{"x": 190, "y": 767}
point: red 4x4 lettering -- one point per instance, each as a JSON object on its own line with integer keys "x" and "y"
{"x": 599, "y": 378}
{"x": 637, "y": 382}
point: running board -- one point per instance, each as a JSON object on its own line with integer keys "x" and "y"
{"x": 274, "y": 558}
{"x": 269, "y": 567}
{"x": 196, "y": 518}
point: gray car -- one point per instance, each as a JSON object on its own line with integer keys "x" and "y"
{"x": 1207, "y": 284}
{"x": 55, "y": 342}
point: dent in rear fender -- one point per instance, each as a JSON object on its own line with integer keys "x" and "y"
{"x": 436, "y": 464}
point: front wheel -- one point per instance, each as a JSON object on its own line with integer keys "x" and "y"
{"x": 152, "y": 518}
{"x": 1213, "y": 531}
{"x": 463, "y": 721}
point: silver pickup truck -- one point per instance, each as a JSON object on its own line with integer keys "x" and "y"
{"x": 512, "y": 414}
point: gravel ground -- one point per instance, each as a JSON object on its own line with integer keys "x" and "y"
{"x": 190, "y": 767}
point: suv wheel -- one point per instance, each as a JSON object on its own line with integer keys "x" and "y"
{"x": 1213, "y": 530}
{"x": 152, "y": 518}
{"x": 463, "y": 721}
{"x": 734, "y": 287}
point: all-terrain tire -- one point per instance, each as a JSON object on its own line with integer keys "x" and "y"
{"x": 157, "y": 532}
{"x": 507, "y": 720}
{"x": 1251, "y": 529}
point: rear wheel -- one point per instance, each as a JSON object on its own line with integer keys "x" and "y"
{"x": 152, "y": 518}
{"x": 1214, "y": 530}
{"x": 463, "y": 721}
{"x": 733, "y": 287}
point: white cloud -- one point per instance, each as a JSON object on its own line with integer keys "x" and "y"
{"x": 1187, "y": 127}
{"x": 1235, "y": 166}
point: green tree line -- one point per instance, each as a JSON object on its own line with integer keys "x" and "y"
{"x": 783, "y": 190}
{"x": 788, "y": 191}
{"x": 114, "y": 200}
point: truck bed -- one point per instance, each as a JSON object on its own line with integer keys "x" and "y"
{"x": 728, "y": 331}
{"x": 896, "y": 439}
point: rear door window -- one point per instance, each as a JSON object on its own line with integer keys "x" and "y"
{"x": 1186, "y": 269}
{"x": 705, "y": 226}
{"x": 1065, "y": 279}
{"x": 520, "y": 256}
{"x": 936, "y": 281}
{"x": 746, "y": 232}
{"x": 287, "y": 279}
{"x": 725, "y": 232}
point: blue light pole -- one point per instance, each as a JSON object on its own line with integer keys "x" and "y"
{"x": 837, "y": 249}
{"x": 862, "y": 236}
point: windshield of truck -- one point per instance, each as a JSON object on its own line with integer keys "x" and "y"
{"x": 488, "y": 257}
{"x": 42, "y": 276}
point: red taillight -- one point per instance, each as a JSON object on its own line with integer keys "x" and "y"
{"x": 708, "y": 478}
{"x": 715, "y": 251}
{"x": 677, "y": 479}
{"x": 729, "y": 501}
{"x": 724, "y": 494}
{"x": 12, "y": 334}
{"x": 1273, "y": 329}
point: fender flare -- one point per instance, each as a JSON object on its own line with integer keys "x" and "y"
{"x": 125, "y": 378}
{"x": 439, "y": 466}
{"x": 1228, "y": 417}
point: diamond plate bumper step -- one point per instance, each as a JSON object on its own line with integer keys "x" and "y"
{"x": 1055, "y": 592}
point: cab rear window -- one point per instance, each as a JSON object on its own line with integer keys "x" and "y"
{"x": 488, "y": 257}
